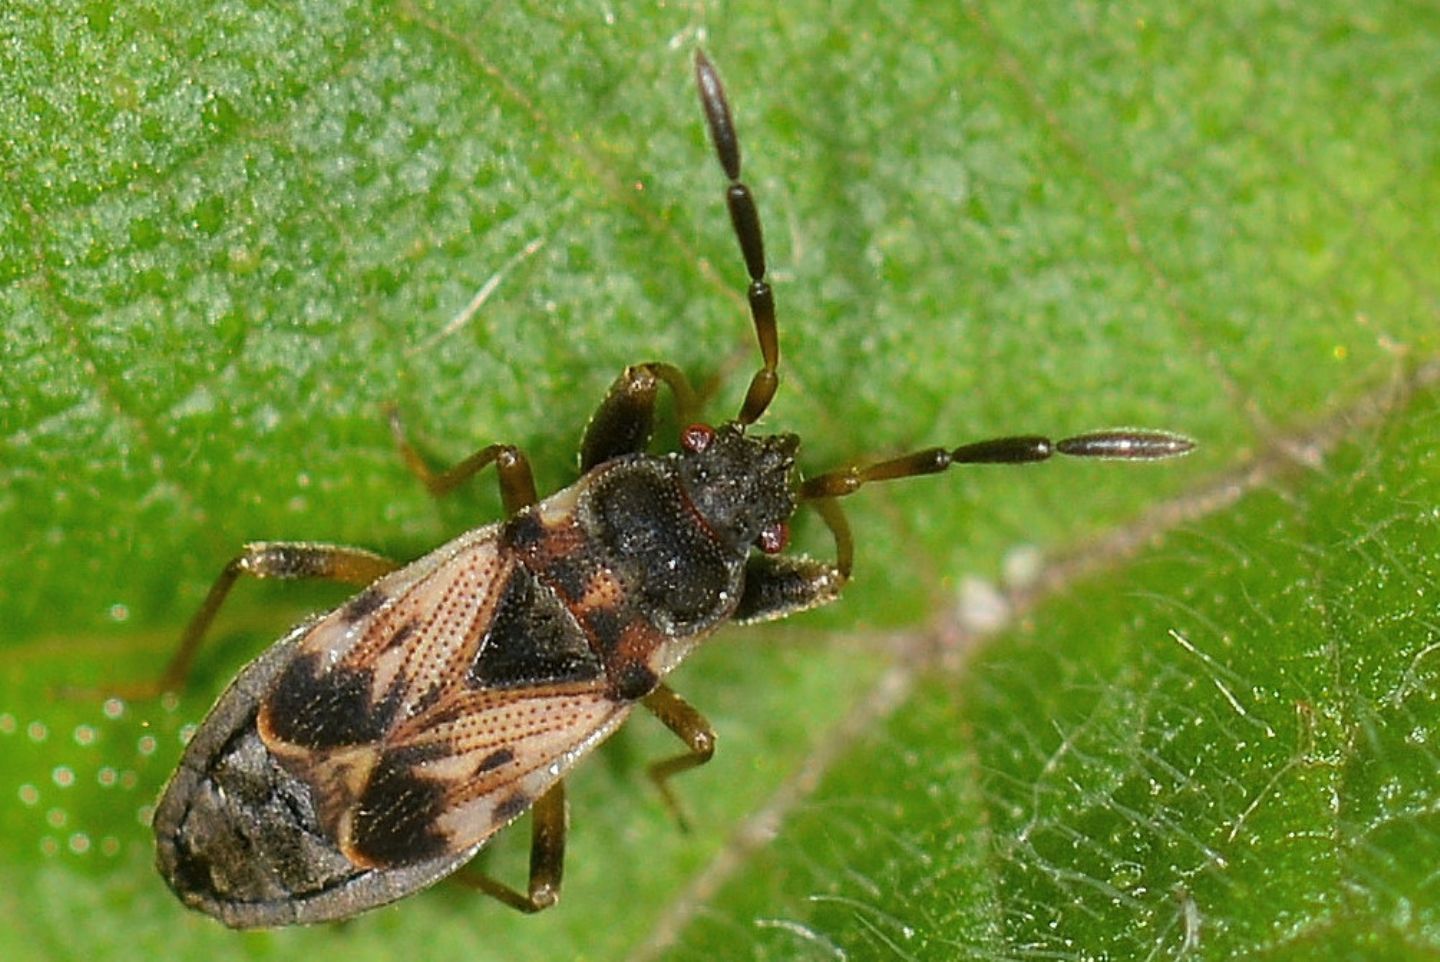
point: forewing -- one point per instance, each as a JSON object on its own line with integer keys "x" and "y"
{"x": 409, "y": 749}
{"x": 471, "y": 765}
{"x": 378, "y": 658}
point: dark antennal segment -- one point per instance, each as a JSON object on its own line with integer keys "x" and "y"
{"x": 746, "y": 220}
{"x": 1021, "y": 449}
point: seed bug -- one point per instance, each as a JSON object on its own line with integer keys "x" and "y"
{"x": 377, "y": 747}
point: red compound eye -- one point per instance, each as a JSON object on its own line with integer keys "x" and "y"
{"x": 773, "y": 539}
{"x": 697, "y": 437}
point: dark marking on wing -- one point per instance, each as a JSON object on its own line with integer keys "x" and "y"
{"x": 312, "y": 708}
{"x": 512, "y": 806}
{"x": 395, "y": 817}
{"x": 449, "y": 711}
{"x": 532, "y": 640}
{"x": 428, "y": 698}
{"x": 401, "y": 635}
{"x": 365, "y": 603}
{"x": 559, "y": 553}
{"x": 492, "y": 761}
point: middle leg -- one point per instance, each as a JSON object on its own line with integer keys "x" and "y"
{"x": 288, "y": 560}
{"x": 690, "y": 727}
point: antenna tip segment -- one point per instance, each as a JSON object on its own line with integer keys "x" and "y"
{"x": 1126, "y": 445}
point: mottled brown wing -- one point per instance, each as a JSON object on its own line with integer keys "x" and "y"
{"x": 436, "y": 705}
{"x": 474, "y": 764}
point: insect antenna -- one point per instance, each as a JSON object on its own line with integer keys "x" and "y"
{"x": 746, "y": 221}
{"x": 822, "y": 490}
{"x": 1120, "y": 445}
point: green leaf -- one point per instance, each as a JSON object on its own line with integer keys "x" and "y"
{"x": 1227, "y": 747}
{"x": 230, "y": 233}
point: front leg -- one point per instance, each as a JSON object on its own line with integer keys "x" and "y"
{"x": 625, "y": 420}
{"x": 690, "y": 727}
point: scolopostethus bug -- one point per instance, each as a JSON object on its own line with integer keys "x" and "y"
{"x": 377, "y": 747}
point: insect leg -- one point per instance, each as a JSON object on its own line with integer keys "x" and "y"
{"x": 625, "y": 420}
{"x": 517, "y": 483}
{"x": 834, "y": 517}
{"x": 690, "y": 727}
{"x": 269, "y": 559}
{"x": 549, "y": 822}
{"x": 746, "y": 220}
